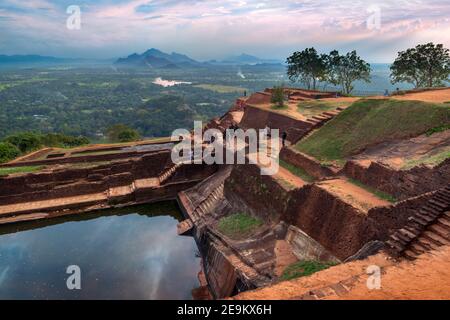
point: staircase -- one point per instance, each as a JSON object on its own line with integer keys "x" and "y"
{"x": 168, "y": 173}
{"x": 428, "y": 229}
{"x": 210, "y": 202}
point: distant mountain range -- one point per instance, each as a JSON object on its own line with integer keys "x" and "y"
{"x": 155, "y": 58}
{"x": 4, "y": 59}
{"x": 152, "y": 58}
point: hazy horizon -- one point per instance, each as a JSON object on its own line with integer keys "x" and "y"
{"x": 215, "y": 29}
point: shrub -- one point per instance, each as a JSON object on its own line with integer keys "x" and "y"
{"x": 278, "y": 96}
{"x": 122, "y": 133}
{"x": 8, "y": 152}
{"x": 25, "y": 141}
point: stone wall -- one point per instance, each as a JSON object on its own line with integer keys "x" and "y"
{"x": 260, "y": 98}
{"x": 306, "y": 248}
{"x": 74, "y": 182}
{"x": 396, "y": 216}
{"x": 79, "y": 159}
{"x": 402, "y": 184}
{"x": 337, "y": 226}
{"x": 264, "y": 196}
{"x": 307, "y": 163}
{"x": 257, "y": 118}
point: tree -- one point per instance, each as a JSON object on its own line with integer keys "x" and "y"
{"x": 426, "y": 65}
{"x": 25, "y": 141}
{"x": 122, "y": 133}
{"x": 278, "y": 96}
{"x": 8, "y": 152}
{"x": 307, "y": 66}
{"x": 344, "y": 70}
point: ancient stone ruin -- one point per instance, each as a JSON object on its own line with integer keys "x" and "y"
{"x": 321, "y": 215}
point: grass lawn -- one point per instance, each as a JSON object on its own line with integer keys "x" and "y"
{"x": 379, "y": 194}
{"x": 11, "y": 170}
{"x": 299, "y": 172}
{"x": 239, "y": 225}
{"x": 311, "y": 108}
{"x": 371, "y": 121}
{"x": 304, "y": 268}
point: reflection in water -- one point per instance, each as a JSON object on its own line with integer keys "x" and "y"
{"x": 131, "y": 253}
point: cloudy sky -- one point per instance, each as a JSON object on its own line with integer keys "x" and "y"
{"x": 207, "y": 29}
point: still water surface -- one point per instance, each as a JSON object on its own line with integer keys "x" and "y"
{"x": 131, "y": 253}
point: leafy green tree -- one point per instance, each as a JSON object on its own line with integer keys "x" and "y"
{"x": 8, "y": 152}
{"x": 344, "y": 70}
{"x": 307, "y": 66}
{"x": 25, "y": 141}
{"x": 278, "y": 96}
{"x": 122, "y": 133}
{"x": 62, "y": 140}
{"x": 426, "y": 65}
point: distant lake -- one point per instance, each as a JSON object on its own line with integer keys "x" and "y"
{"x": 131, "y": 253}
{"x": 169, "y": 83}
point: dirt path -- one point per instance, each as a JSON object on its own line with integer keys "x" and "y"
{"x": 353, "y": 194}
{"x": 428, "y": 277}
{"x": 283, "y": 256}
{"x": 52, "y": 203}
{"x": 291, "y": 178}
{"x": 298, "y": 287}
{"x": 437, "y": 96}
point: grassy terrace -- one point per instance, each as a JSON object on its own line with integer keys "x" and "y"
{"x": 6, "y": 171}
{"x": 371, "y": 121}
{"x": 304, "y": 268}
{"x": 299, "y": 172}
{"x": 311, "y": 108}
{"x": 239, "y": 225}
{"x": 379, "y": 194}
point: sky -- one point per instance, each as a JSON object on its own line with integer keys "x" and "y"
{"x": 216, "y": 29}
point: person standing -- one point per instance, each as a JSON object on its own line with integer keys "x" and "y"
{"x": 283, "y": 138}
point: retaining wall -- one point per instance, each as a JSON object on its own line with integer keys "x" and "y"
{"x": 402, "y": 184}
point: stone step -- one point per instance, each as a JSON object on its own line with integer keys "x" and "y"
{"x": 425, "y": 242}
{"x": 331, "y": 113}
{"x": 410, "y": 255}
{"x": 413, "y": 230}
{"x": 397, "y": 237}
{"x": 438, "y": 203}
{"x": 425, "y": 216}
{"x": 403, "y": 237}
{"x": 407, "y": 234}
{"x": 184, "y": 227}
{"x": 436, "y": 238}
{"x": 395, "y": 245}
{"x": 431, "y": 209}
{"x": 441, "y": 231}
{"x": 419, "y": 221}
{"x": 435, "y": 206}
{"x": 432, "y": 215}
{"x": 444, "y": 221}
{"x": 418, "y": 248}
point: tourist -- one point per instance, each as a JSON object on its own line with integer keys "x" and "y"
{"x": 283, "y": 138}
